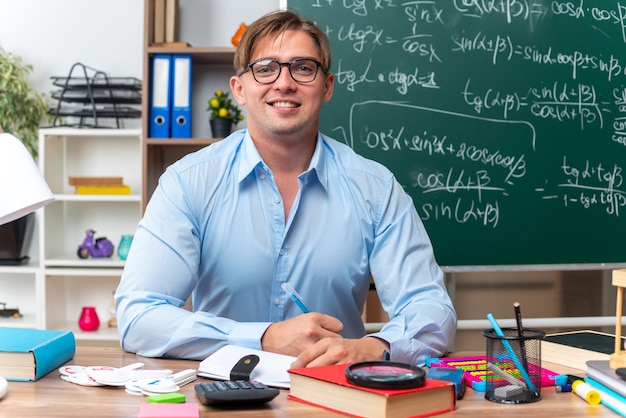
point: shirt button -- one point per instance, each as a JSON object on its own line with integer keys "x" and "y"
{"x": 276, "y": 301}
{"x": 277, "y": 199}
{"x": 281, "y": 252}
{"x": 262, "y": 176}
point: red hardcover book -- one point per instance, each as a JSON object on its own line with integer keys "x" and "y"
{"x": 328, "y": 387}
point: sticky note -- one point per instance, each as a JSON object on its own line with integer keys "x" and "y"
{"x": 167, "y": 398}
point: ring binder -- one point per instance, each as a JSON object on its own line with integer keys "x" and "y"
{"x": 181, "y": 96}
{"x": 160, "y": 114}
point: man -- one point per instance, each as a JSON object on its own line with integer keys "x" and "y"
{"x": 280, "y": 203}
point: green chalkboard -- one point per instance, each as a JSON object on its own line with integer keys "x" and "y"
{"x": 504, "y": 120}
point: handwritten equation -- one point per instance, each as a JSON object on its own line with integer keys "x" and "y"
{"x": 495, "y": 116}
{"x": 405, "y": 65}
{"x": 588, "y": 186}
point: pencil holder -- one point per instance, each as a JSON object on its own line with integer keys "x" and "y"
{"x": 513, "y": 369}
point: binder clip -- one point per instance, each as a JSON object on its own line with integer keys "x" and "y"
{"x": 243, "y": 368}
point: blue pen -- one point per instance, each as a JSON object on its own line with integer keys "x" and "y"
{"x": 295, "y": 297}
{"x": 508, "y": 347}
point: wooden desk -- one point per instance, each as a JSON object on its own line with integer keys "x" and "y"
{"x": 53, "y": 397}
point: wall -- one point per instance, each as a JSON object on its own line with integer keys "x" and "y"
{"x": 53, "y": 35}
{"x": 542, "y": 294}
{"x": 105, "y": 35}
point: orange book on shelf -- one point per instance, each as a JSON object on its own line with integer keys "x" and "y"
{"x": 95, "y": 181}
{"x": 328, "y": 388}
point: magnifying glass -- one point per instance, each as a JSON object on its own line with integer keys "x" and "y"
{"x": 385, "y": 375}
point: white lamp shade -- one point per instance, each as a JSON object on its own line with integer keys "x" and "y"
{"x": 22, "y": 187}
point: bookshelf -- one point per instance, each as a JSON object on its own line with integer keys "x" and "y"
{"x": 207, "y": 62}
{"x": 51, "y": 289}
{"x": 206, "y": 27}
{"x": 63, "y": 282}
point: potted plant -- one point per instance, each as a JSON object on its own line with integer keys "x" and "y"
{"x": 22, "y": 110}
{"x": 225, "y": 114}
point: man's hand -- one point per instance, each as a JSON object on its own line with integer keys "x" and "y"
{"x": 300, "y": 333}
{"x": 341, "y": 350}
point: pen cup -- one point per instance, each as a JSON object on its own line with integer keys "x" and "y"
{"x": 513, "y": 372}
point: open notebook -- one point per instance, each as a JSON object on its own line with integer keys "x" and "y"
{"x": 271, "y": 370}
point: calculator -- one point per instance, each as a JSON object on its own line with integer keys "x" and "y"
{"x": 234, "y": 392}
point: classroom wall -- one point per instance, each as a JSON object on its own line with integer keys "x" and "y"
{"x": 542, "y": 294}
{"x": 52, "y": 35}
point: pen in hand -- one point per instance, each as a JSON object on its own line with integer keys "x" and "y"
{"x": 295, "y": 297}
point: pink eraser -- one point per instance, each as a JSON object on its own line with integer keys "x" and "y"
{"x": 169, "y": 410}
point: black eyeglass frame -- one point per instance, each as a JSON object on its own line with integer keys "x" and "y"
{"x": 288, "y": 64}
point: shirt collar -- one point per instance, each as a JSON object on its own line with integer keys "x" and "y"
{"x": 317, "y": 168}
{"x": 250, "y": 159}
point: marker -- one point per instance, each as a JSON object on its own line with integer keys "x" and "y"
{"x": 295, "y": 297}
{"x": 587, "y": 392}
{"x": 512, "y": 354}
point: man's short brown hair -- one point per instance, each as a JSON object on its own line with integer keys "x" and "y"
{"x": 275, "y": 23}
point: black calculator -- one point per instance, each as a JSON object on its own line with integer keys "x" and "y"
{"x": 234, "y": 392}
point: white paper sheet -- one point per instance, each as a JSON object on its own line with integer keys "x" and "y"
{"x": 271, "y": 370}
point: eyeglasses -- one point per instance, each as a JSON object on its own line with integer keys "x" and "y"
{"x": 302, "y": 70}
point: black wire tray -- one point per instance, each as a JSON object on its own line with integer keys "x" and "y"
{"x": 100, "y": 81}
{"x": 98, "y": 96}
{"x": 104, "y": 112}
{"x": 87, "y": 93}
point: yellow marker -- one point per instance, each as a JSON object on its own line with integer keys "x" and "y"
{"x": 585, "y": 391}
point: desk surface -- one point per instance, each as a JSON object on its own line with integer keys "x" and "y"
{"x": 53, "y": 397}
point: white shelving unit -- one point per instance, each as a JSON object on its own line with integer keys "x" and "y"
{"x": 18, "y": 286}
{"x": 68, "y": 283}
{"x": 51, "y": 290}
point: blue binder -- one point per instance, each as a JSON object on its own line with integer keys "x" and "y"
{"x": 160, "y": 100}
{"x": 181, "y": 96}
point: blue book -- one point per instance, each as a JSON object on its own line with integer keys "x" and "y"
{"x": 601, "y": 371}
{"x": 609, "y": 397}
{"x": 30, "y": 354}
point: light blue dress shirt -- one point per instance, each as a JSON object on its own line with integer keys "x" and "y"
{"x": 215, "y": 230}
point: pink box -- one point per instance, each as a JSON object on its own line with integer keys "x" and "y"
{"x": 169, "y": 410}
